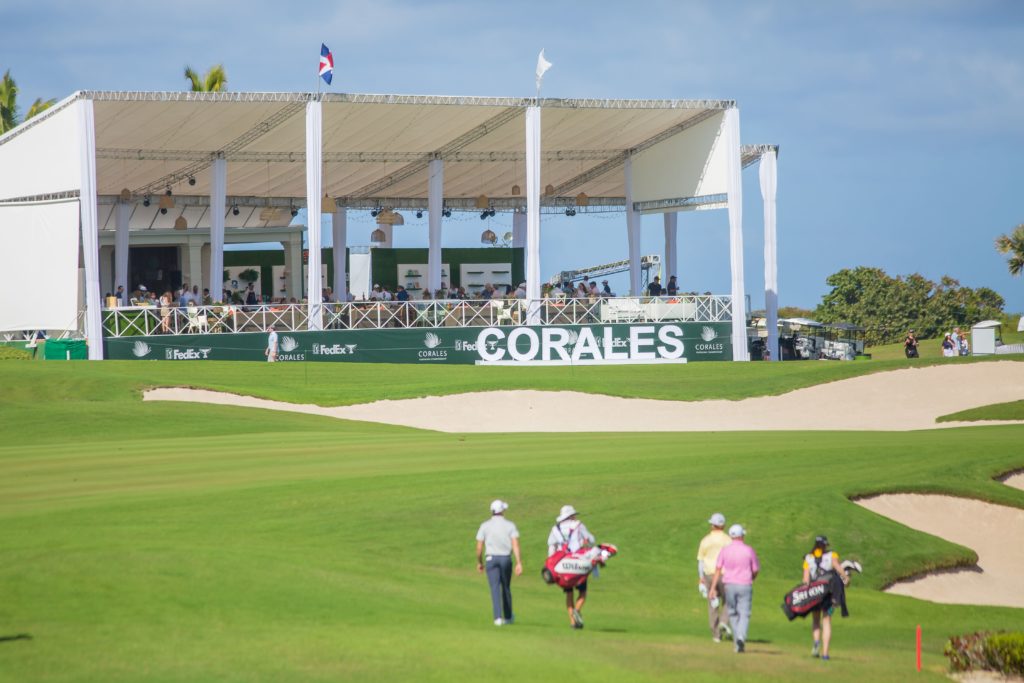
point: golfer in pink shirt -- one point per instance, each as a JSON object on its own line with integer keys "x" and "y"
{"x": 737, "y": 567}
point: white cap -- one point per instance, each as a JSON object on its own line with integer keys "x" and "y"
{"x": 498, "y": 506}
{"x": 565, "y": 513}
{"x": 717, "y": 519}
{"x": 737, "y": 531}
{"x": 142, "y": 288}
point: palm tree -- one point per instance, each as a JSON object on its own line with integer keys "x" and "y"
{"x": 9, "y": 117}
{"x": 215, "y": 80}
{"x": 1013, "y": 244}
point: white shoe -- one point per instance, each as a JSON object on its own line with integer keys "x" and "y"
{"x": 725, "y": 631}
{"x": 499, "y": 622}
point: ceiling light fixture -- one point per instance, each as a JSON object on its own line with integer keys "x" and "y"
{"x": 234, "y": 210}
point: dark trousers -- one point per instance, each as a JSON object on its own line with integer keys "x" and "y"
{"x": 499, "y": 576}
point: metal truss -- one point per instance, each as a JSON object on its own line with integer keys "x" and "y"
{"x": 254, "y": 133}
{"x": 618, "y": 160}
{"x": 242, "y": 156}
{"x": 751, "y": 154}
{"x": 708, "y": 201}
{"x": 41, "y": 198}
{"x": 134, "y": 321}
{"x": 455, "y": 145}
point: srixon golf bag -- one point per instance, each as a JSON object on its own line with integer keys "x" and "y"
{"x": 569, "y": 569}
{"x": 802, "y": 600}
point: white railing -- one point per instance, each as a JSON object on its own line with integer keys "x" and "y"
{"x": 132, "y": 321}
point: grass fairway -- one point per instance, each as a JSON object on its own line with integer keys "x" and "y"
{"x": 170, "y": 542}
{"x": 1012, "y": 410}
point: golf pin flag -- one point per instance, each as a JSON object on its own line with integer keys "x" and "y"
{"x": 326, "y": 64}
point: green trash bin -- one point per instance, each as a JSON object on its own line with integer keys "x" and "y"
{"x": 65, "y": 349}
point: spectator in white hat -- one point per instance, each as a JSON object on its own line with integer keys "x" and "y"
{"x": 707, "y": 556}
{"x": 571, "y": 532}
{"x": 499, "y": 538}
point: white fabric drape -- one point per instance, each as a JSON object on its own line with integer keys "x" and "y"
{"x": 435, "y": 207}
{"x": 314, "y": 182}
{"x": 518, "y": 230}
{"x": 768, "y": 172}
{"x": 90, "y": 229}
{"x": 671, "y": 248}
{"x": 218, "y": 212}
{"x": 632, "y": 232}
{"x": 735, "y": 204}
{"x": 339, "y": 235}
{"x": 533, "y": 213}
{"x": 122, "y": 217}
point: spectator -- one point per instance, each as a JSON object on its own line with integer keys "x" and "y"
{"x": 401, "y": 294}
{"x": 910, "y": 345}
{"x": 949, "y": 349}
{"x": 965, "y": 346}
{"x": 207, "y": 299}
{"x": 654, "y": 289}
{"x": 250, "y": 295}
{"x": 606, "y": 290}
{"x": 672, "y": 288}
{"x": 499, "y": 538}
{"x": 165, "y": 312}
{"x": 521, "y": 291}
{"x": 737, "y": 567}
{"x": 122, "y": 296}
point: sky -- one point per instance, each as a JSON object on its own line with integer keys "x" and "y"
{"x": 901, "y": 124}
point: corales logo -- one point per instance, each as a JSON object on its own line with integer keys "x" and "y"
{"x": 556, "y": 345}
{"x": 432, "y": 341}
{"x": 286, "y": 350}
{"x": 140, "y": 349}
{"x": 708, "y": 336}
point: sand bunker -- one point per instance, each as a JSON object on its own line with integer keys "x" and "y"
{"x": 992, "y": 531}
{"x": 886, "y": 401}
{"x": 1015, "y": 480}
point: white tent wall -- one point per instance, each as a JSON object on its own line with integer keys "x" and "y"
{"x": 41, "y": 157}
{"x": 39, "y": 266}
{"x": 692, "y": 163}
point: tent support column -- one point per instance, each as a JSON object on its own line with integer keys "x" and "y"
{"x": 435, "y": 207}
{"x": 518, "y": 229}
{"x": 339, "y": 234}
{"x": 218, "y": 212}
{"x": 314, "y": 181}
{"x": 122, "y": 217}
{"x": 740, "y": 350}
{"x": 632, "y": 232}
{"x": 533, "y": 213}
{"x": 671, "y": 247}
{"x": 90, "y": 229}
{"x": 768, "y": 172}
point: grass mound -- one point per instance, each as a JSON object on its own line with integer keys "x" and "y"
{"x": 1013, "y": 410}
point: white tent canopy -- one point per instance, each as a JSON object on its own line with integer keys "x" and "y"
{"x": 376, "y": 152}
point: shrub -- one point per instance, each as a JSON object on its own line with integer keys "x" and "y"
{"x": 1002, "y": 652}
{"x": 14, "y": 353}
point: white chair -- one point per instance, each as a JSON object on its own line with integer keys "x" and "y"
{"x": 197, "y": 320}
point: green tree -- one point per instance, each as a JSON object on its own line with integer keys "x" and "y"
{"x": 9, "y": 116}
{"x": 1013, "y": 244}
{"x": 215, "y": 79}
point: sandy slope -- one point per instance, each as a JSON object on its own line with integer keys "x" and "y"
{"x": 994, "y": 532}
{"x": 888, "y": 401}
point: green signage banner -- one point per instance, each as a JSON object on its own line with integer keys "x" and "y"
{"x": 526, "y": 345}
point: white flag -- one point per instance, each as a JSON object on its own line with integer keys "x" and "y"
{"x": 542, "y": 66}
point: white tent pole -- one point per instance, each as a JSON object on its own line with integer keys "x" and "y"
{"x": 518, "y": 229}
{"x": 218, "y": 211}
{"x": 90, "y": 229}
{"x": 122, "y": 217}
{"x": 314, "y": 181}
{"x": 769, "y": 174}
{"x": 533, "y": 213}
{"x": 671, "y": 248}
{"x": 435, "y": 207}
{"x": 339, "y": 234}
{"x": 735, "y": 207}
{"x": 632, "y": 232}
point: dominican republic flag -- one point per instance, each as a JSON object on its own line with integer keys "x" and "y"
{"x": 326, "y": 64}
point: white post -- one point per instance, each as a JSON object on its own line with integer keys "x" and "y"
{"x": 122, "y": 218}
{"x": 533, "y": 213}
{"x": 671, "y": 249}
{"x": 740, "y": 351}
{"x": 339, "y": 233}
{"x": 90, "y": 229}
{"x": 768, "y": 172}
{"x": 518, "y": 230}
{"x": 293, "y": 264}
{"x": 218, "y": 212}
{"x": 632, "y": 232}
{"x": 314, "y": 181}
{"x": 195, "y": 264}
{"x": 435, "y": 207}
